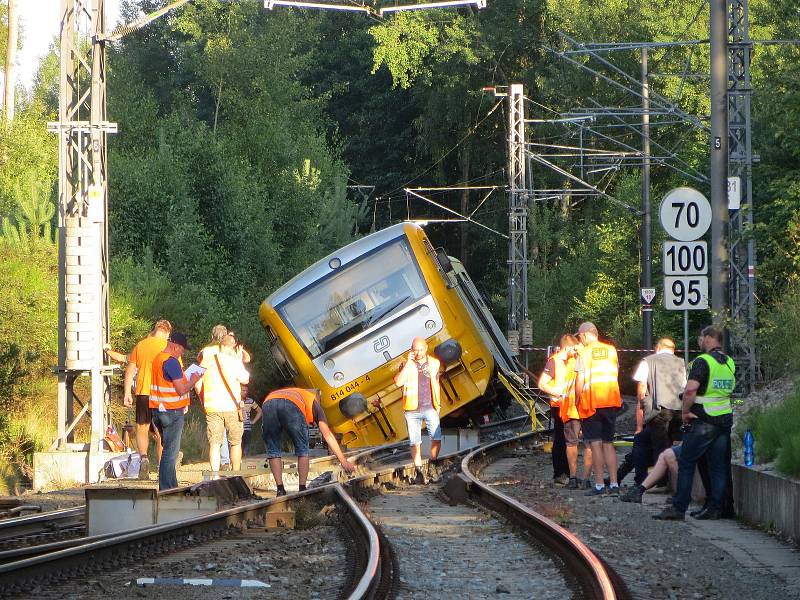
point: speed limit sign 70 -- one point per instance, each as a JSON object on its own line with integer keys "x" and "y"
{"x": 685, "y": 214}
{"x": 686, "y": 292}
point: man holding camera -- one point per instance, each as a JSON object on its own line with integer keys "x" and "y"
{"x": 558, "y": 381}
{"x": 707, "y": 417}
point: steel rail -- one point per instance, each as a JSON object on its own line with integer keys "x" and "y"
{"x": 595, "y": 579}
{"x": 96, "y": 553}
{"x": 36, "y": 523}
{"x": 373, "y": 557}
{"x": 51, "y": 523}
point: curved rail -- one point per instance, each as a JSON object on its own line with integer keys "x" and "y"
{"x": 70, "y": 522}
{"x": 595, "y": 579}
{"x": 106, "y": 550}
{"x": 372, "y": 557}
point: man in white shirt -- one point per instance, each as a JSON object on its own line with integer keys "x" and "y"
{"x": 660, "y": 378}
{"x": 222, "y": 383}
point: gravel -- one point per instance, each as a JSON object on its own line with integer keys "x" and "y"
{"x": 296, "y": 564}
{"x": 656, "y": 559}
{"x": 461, "y": 552}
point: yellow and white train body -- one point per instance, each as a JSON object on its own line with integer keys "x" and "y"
{"x": 345, "y": 325}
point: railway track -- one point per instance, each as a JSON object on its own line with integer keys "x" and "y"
{"x": 45, "y": 530}
{"x": 370, "y": 561}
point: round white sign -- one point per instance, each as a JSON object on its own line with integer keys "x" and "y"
{"x": 685, "y": 214}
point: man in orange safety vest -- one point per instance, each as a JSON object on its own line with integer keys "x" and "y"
{"x": 169, "y": 401}
{"x": 558, "y": 381}
{"x": 598, "y": 400}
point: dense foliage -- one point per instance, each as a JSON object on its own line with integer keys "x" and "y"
{"x": 246, "y": 138}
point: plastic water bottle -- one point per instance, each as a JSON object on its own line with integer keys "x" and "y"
{"x": 748, "y": 448}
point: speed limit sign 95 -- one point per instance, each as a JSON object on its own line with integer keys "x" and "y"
{"x": 686, "y": 292}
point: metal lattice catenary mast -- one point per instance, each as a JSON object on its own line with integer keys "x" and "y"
{"x": 517, "y": 214}
{"x": 740, "y": 164}
{"x": 83, "y": 315}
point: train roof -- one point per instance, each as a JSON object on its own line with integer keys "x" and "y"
{"x": 347, "y": 255}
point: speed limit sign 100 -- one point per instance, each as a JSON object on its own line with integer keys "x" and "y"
{"x": 685, "y": 214}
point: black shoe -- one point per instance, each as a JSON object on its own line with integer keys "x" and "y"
{"x": 670, "y": 513}
{"x": 574, "y": 483}
{"x": 708, "y": 514}
{"x": 633, "y": 494}
{"x": 613, "y": 490}
{"x": 561, "y": 479}
{"x": 280, "y": 493}
{"x": 587, "y": 484}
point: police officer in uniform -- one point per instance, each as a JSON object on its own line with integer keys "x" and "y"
{"x": 708, "y": 417}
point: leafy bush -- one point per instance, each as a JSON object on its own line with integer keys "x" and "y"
{"x": 779, "y": 336}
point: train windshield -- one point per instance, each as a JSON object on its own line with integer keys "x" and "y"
{"x": 339, "y": 307}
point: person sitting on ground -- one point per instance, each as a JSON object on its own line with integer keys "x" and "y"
{"x": 292, "y": 410}
{"x": 667, "y": 463}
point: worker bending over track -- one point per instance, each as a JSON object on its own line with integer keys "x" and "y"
{"x": 292, "y": 410}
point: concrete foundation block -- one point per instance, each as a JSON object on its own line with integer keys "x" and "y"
{"x": 767, "y": 499}
{"x": 59, "y": 470}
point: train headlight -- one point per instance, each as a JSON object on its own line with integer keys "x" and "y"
{"x": 338, "y": 376}
{"x": 328, "y": 364}
{"x": 353, "y": 405}
{"x": 429, "y": 324}
{"x": 334, "y": 263}
{"x": 448, "y": 351}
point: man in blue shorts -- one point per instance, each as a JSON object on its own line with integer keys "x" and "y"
{"x": 292, "y": 410}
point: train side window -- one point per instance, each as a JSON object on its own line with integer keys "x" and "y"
{"x": 285, "y": 366}
{"x": 444, "y": 260}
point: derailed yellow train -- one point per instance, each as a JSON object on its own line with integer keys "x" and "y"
{"x": 345, "y": 325}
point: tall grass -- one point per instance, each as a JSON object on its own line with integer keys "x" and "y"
{"x": 777, "y": 435}
{"x": 779, "y": 334}
{"x": 20, "y": 436}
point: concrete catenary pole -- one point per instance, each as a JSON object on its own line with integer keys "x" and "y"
{"x": 11, "y": 59}
{"x": 647, "y": 222}
{"x": 719, "y": 160}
